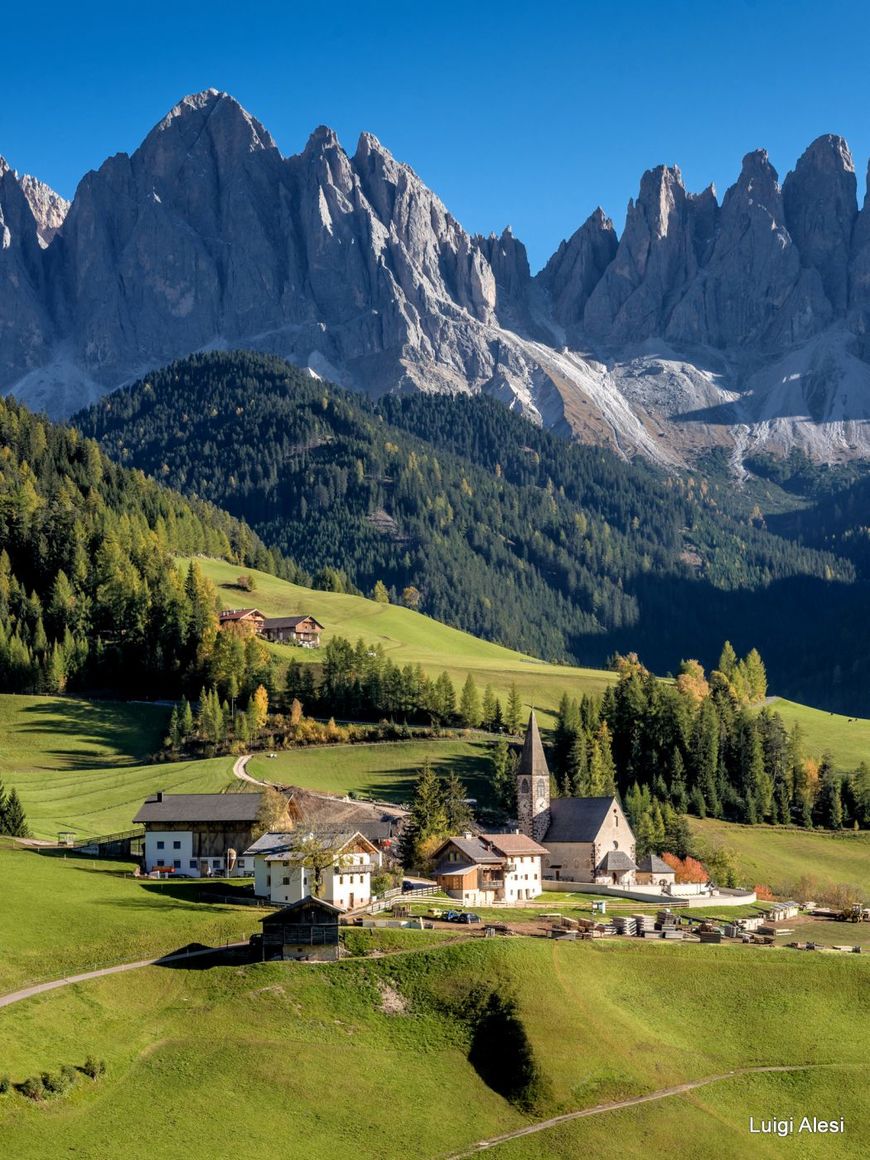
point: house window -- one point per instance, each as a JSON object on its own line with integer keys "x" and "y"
{"x": 216, "y": 863}
{"x": 192, "y": 863}
{"x": 176, "y": 845}
{"x": 177, "y": 863}
{"x": 285, "y": 881}
{"x": 160, "y": 845}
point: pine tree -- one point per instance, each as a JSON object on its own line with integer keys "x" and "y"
{"x": 427, "y": 819}
{"x": 487, "y": 708}
{"x": 13, "y": 820}
{"x": 380, "y": 595}
{"x": 456, "y": 808}
{"x": 503, "y": 763}
{"x": 469, "y": 704}
{"x": 514, "y": 712}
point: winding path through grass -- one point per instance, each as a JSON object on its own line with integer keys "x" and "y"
{"x": 616, "y": 1105}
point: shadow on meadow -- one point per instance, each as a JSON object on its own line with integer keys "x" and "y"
{"x": 110, "y": 726}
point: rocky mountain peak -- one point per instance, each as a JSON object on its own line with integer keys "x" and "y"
{"x": 48, "y": 208}
{"x": 819, "y": 198}
{"x": 576, "y": 268}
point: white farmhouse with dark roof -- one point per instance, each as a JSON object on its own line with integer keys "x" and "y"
{"x": 282, "y": 877}
{"x": 197, "y": 834}
{"x": 489, "y": 868}
{"x": 586, "y": 839}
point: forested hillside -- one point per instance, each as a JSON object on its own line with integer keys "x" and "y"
{"x": 89, "y": 594}
{"x": 483, "y": 521}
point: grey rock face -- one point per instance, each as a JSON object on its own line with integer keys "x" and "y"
{"x": 752, "y": 290}
{"x": 48, "y": 208}
{"x": 820, "y": 211}
{"x": 654, "y": 263}
{"x": 577, "y": 267}
{"x": 206, "y": 236}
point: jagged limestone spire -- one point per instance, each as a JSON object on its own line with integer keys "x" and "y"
{"x": 533, "y": 784}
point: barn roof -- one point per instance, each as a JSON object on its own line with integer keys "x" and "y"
{"x": 577, "y": 819}
{"x": 239, "y": 613}
{"x": 200, "y": 807}
{"x": 309, "y": 901}
{"x": 288, "y": 621}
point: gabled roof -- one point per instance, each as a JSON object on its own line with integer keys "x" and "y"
{"x": 616, "y": 860}
{"x": 288, "y": 621}
{"x": 653, "y": 864}
{"x": 513, "y": 845}
{"x": 200, "y": 807}
{"x": 532, "y": 760}
{"x": 472, "y": 849}
{"x": 239, "y": 613}
{"x": 293, "y": 907}
{"x": 577, "y": 819}
{"x": 275, "y": 846}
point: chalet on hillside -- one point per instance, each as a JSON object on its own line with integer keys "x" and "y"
{"x": 307, "y": 929}
{"x": 249, "y": 621}
{"x": 301, "y": 630}
{"x": 197, "y": 835}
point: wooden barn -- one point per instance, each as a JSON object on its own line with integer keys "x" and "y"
{"x": 192, "y": 834}
{"x": 301, "y": 630}
{"x": 307, "y": 929}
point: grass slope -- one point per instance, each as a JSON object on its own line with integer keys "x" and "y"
{"x": 64, "y": 915}
{"x": 410, "y": 637}
{"x": 325, "y": 1067}
{"x": 778, "y": 856}
{"x": 386, "y": 770}
{"x": 83, "y": 765}
{"x": 407, "y": 637}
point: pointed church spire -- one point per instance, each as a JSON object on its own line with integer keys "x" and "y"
{"x": 533, "y": 785}
{"x": 532, "y": 760}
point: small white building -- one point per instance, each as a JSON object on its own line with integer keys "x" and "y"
{"x": 196, "y": 835}
{"x": 280, "y": 876}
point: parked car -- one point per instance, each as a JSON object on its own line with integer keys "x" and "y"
{"x": 468, "y": 918}
{"x": 451, "y": 916}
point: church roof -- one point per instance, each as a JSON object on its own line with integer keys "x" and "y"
{"x": 577, "y": 819}
{"x": 532, "y": 760}
{"x": 653, "y": 864}
{"x": 616, "y": 860}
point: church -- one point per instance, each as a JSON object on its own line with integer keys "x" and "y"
{"x": 586, "y": 839}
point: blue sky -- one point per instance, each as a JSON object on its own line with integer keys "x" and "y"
{"x": 528, "y": 114}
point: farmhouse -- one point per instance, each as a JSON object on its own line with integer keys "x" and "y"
{"x": 489, "y": 868}
{"x": 197, "y": 834}
{"x": 301, "y": 630}
{"x": 307, "y": 929}
{"x": 586, "y": 839}
{"x": 247, "y": 621}
{"x": 282, "y": 875}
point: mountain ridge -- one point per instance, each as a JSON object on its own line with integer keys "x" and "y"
{"x": 739, "y": 324}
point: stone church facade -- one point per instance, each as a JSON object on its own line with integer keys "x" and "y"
{"x": 586, "y": 839}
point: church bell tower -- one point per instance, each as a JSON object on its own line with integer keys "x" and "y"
{"x": 533, "y": 785}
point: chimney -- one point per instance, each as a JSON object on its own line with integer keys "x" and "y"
{"x": 159, "y": 795}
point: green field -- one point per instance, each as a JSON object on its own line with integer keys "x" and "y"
{"x": 407, "y": 636}
{"x": 847, "y": 738}
{"x": 385, "y": 770}
{"x": 64, "y": 915}
{"x": 310, "y": 1055}
{"x": 83, "y": 765}
{"x": 779, "y": 856}
{"x": 410, "y": 637}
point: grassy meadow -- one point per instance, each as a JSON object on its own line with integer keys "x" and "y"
{"x": 63, "y": 915}
{"x": 385, "y": 770}
{"x": 316, "y": 1055}
{"x": 779, "y": 855}
{"x": 407, "y": 637}
{"x": 84, "y": 765}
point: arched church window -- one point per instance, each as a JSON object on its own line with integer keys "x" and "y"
{"x": 524, "y": 785}
{"x": 542, "y": 787}
{"x": 616, "y": 845}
